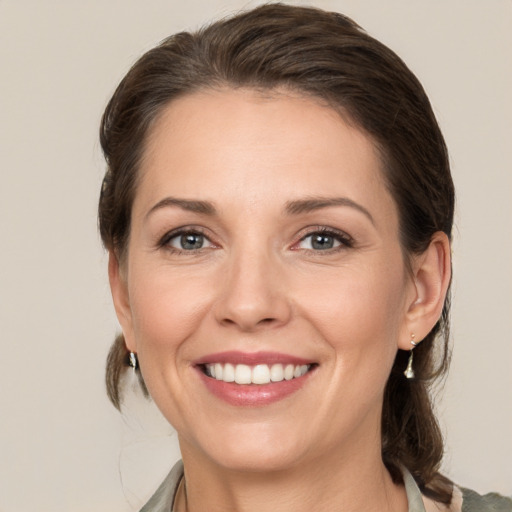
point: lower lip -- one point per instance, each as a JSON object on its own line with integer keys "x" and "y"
{"x": 253, "y": 395}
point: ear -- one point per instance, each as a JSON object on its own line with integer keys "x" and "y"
{"x": 120, "y": 296}
{"x": 431, "y": 274}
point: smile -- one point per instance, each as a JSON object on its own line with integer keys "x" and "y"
{"x": 258, "y": 374}
{"x": 254, "y": 379}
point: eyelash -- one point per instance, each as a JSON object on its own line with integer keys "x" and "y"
{"x": 166, "y": 239}
{"x": 344, "y": 240}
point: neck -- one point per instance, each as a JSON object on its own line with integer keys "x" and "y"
{"x": 337, "y": 483}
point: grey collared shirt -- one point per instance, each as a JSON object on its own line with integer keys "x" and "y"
{"x": 468, "y": 501}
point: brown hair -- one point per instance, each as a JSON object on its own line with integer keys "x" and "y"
{"x": 327, "y": 56}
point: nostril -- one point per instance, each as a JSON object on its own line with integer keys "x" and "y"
{"x": 259, "y": 323}
{"x": 249, "y": 310}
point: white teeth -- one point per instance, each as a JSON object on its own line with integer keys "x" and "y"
{"x": 258, "y": 374}
{"x": 276, "y": 373}
{"x": 210, "y": 370}
{"x": 261, "y": 374}
{"x": 228, "y": 374}
{"x": 218, "y": 371}
{"x": 299, "y": 371}
{"x": 288, "y": 371}
{"x": 242, "y": 374}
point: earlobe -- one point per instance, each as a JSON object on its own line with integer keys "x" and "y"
{"x": 120, "y": 297}
{"x": 431, "y": 279}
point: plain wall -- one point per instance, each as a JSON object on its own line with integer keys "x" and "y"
{"x": 62, "y": 445}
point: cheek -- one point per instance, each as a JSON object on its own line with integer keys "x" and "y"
{"x": 166, "y": 307}
{"x": 359, "y": 313}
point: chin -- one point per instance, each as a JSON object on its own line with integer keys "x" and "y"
{"x": 256, "y": 449}
{"x": 257, "y": 460}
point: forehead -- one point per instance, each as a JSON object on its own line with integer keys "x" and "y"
{"x": 241, "y": 143}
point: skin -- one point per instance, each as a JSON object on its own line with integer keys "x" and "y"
{"x": 258, "y": 285}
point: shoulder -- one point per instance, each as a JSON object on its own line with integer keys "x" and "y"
{"x": 163, "y": 499}
{"x": 492, "y": 502}
{"x": 466, "y": 500}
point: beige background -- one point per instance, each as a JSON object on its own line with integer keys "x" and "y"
{"x": 62, "y": 446}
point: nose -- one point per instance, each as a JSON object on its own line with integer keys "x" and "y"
{"x": 253, "y": 293}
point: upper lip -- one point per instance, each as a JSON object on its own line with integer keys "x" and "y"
{"x": 252, "y": 358}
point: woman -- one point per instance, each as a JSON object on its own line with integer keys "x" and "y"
{"x": 278, "y": 209}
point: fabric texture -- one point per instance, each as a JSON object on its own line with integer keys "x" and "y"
{"x": 163, "y": 499}
{"x": 492, "y": 502}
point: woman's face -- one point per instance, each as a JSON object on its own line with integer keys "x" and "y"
{"x": 264, "y": 244}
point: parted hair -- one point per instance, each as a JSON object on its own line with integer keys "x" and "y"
{"x": 323, "y": 55}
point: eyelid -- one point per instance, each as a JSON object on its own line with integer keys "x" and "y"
{"x": 164, "y": 240}
{"x": 345, "y": 239}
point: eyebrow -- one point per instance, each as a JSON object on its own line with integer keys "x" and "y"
{"x": 317, "y": 203}
{"x": 295, "y": 207}
{"x": 196, "y": 206}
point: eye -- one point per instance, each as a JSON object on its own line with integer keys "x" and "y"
{"x": 319, "y": 242}
{"x": 324, "y": 240}
{"x": 186, "y": 241}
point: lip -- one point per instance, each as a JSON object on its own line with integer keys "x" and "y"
{"x": 253, "y": 395}
{"x": 251, "y": 358}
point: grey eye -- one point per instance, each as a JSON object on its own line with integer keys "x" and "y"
{"x": 320, "y": 242}
{"x": 188, "y": 241}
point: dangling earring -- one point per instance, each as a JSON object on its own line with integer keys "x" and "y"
{"x": 133, "y": 361}
{"x": 409, "y": 372}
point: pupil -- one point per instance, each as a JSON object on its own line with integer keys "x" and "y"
{"x": 322, "y": 242}
{"x": 191, "y": 241}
